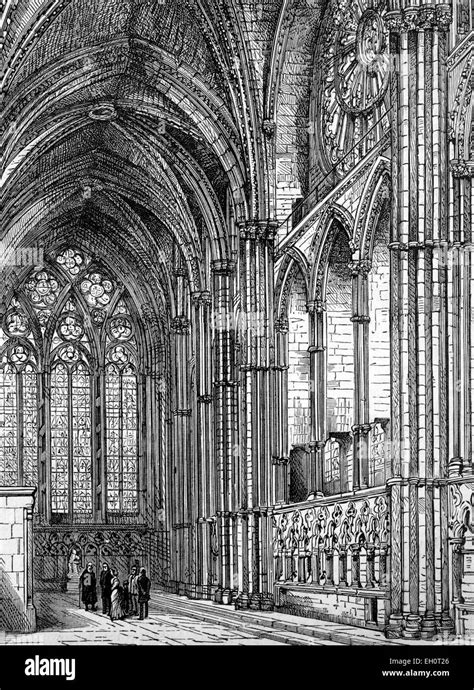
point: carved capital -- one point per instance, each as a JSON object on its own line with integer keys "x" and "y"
{"x": 361, "y": 268}
{"x": 343, "y": 438}
{"x": 269, "y": 128}
{"x": 182, "y": 413}
{"x": 411, "y": 19}
{"x": 205, "y": 399}
{"x": 394, "y": 21}
{"x": 427, "y": 17}
{"x": 462, "y": 168}
{"x": 180, "y": 325}
{"x": 361, "y": 429}
{"x": 416, "y": 18}
{"x": 201, "y": 298}
{"x": 223, "y": 267}
{"x": 280, "y": 461}
{"x": 444, "y": 17}
{"x": 254, "y": 230}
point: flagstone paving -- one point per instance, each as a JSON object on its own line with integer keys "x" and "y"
{"x": 176, "y": 620}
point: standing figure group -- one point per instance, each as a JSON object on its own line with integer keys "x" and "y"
{"x": 138, "y": 593}
{"x": 118, "y": 601}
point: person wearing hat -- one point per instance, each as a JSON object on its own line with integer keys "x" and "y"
{"x": 143, "y": 586}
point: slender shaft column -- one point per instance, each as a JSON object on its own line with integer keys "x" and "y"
{"x": 419, "y": 227}
{"x": 318, "y": 360}
{"x": 316, "y": 469}
{"x": 30, "y": 610}
{"x": 460, "y": 265}
{"x": 226, "y": 459}
{"x": 355, "y": 553}
{"x": 280, "y": 426}
{"x": 180, "y": 327}
{"x": 257, "y": 289}
{"x": 203, "y": 498}
{"x": 361, "y": 321}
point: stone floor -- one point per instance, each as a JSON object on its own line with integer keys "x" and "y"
{"x": 62, "y": 622}
{"x": 177, "y": 620}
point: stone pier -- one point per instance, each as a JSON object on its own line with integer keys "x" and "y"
{"x": 17, "y": 611}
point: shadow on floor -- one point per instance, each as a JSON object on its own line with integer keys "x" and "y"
{"x": 59, "y": 611}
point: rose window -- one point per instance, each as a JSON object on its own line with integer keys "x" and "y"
{"x": 353, "y": 78}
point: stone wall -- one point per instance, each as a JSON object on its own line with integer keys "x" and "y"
{"x": 339, "y": 606}
{"x": 379, "y": 333}
{"x": 340, "y": 344}
{"x": 16, "y": 592}
{"x": 299, "y": 415}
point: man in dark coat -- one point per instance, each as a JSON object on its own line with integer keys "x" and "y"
{"x": 133, "y": 591}
{"x": 106, "y": 588}
{"x": 88, "y": 585}
{"x": 143, "y": 586}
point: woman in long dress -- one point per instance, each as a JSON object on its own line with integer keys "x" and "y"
{"x": 116, "y": 607}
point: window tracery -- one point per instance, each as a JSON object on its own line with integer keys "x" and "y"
{"x": 47, "y": 333}
{"x": 352, "y": 77}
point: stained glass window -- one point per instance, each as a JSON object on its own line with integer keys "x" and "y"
{"x": 112, "y": 402}
{"x": 81, "y": 440}
{"x": 42, "y": 289}
{"x": 71, "y": 261}
{"x": 129, "y": 439}
{"x": 121, "y": 437}
{"x": 18, "y": 409}
{"x": 63, "y": 322}
{"x": 97, "y": 289}
{"x": 30, "y": 426}
{"x": 121, "y": 413}
{"x": 59, "y": 440}
{"x": 8, "y": 426}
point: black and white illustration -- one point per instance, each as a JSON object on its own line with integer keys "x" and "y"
{"x": 237, "y": 323}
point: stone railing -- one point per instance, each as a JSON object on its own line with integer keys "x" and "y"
{"x": 337, "y": 541}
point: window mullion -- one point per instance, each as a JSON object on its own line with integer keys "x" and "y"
{"x": 70, "y": 446}
{"x": 19, "y": 422}
{"x": 120, "y": 445}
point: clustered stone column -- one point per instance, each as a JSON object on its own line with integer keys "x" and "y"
{"x": 317, "y": 352}
{"x": 225, "y": 484}
{"x": 204, "y": 498}
{"x": 460, "y": 262}
{"x": 30, "y": 609}
{"x": 280, "y": 426}
{"x": 418, "y": 586}
{"x": 180, "y": 479}
{"x": 361, "y": 321}
{"x": 256, "y": 407}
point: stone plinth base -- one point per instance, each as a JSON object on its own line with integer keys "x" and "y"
{"x": 17, "y": 612}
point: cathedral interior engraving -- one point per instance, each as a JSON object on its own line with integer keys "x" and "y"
{"x": 237, "y": 319}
